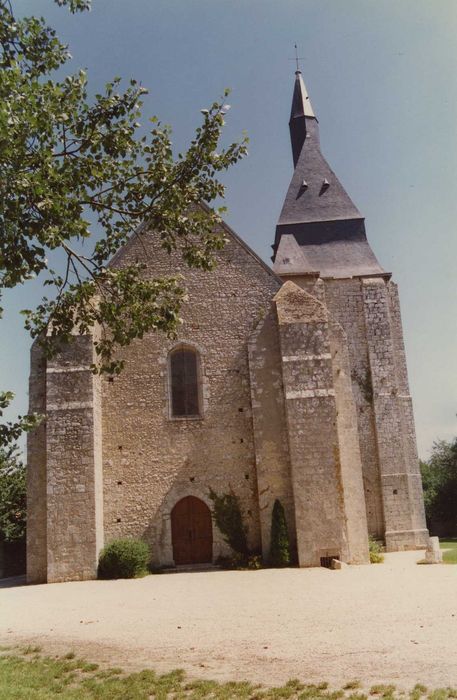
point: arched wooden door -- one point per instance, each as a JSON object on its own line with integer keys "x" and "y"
{"x": 191, "y": 532}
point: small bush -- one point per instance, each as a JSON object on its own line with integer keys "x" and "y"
{"x": 254, "y": 562}
{"x": 240, "y": 562}
{"x": 232, "y": 561}
{"x": 123, "y": 559}
{"x": 375, "y": 549}
{"x": 280, "y": 545}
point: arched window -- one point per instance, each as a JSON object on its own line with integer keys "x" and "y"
{"x": 184, "y": 364}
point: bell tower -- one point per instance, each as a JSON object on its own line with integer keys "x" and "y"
{"x": 321, "y": 246}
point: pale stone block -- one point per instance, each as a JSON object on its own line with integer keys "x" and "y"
{"x": 433, "y": 553}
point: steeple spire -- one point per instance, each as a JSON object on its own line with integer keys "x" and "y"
{"x": 300, "y": 111}
{"x": 319, "y": 223}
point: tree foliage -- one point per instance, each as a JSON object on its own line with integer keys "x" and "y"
{"x": 11, "y": 430}
{"x": 72, "y": 164}
{"x": 12, "y": 496}
{"x": 439, "y": 479}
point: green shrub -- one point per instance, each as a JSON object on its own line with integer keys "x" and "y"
{"x": 254, "y": 562}
{"x": 280, "y": 545}
{"x": 240, "y": 562}
{"x": 227, "y": 514}
{"x": 375, "y": 549}
{"x": 233, "y": 561}
{"x": 123, "y": 559}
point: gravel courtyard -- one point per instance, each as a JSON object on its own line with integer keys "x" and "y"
{"x": 395, "y": 622}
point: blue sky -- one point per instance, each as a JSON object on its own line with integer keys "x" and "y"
{"x": 381, "y": 76}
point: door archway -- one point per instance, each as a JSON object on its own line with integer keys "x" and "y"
{"x": 191, "y": 532}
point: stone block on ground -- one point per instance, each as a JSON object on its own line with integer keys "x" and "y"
{"x": 433, "y": 553}
{"x": 337, "y": 564}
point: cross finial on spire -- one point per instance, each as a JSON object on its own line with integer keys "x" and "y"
{"x": 297, "y": 58}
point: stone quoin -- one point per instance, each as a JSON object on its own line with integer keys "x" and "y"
{"x": 285, "y": 383}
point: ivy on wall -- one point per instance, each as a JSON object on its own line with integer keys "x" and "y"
{"x": 364, "y": 383}
{"x": 280, "y": 544}
{"x": 228, "y": 518}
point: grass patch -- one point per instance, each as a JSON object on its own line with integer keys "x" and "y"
{"x": 449, "y": 548}
{"x": 385, "y": 691}
{"x": 31, "y": 650}
{"x": 352, "y": 685}
{"x": 27, "y": 675}
{"x": 418, "y": 691}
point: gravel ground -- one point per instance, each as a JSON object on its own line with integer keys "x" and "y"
{"x": 391, "y": 623}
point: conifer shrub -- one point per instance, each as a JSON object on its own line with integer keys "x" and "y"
{"x": 280, "y": 544}
{"x": 123, "y": 559}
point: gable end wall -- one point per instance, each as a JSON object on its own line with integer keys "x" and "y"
{"x": 151, "y": 461}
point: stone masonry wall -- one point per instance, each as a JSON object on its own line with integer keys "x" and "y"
{"x": 74, "y": 483}
{"x": 349, "y": 448}
{"x": 150, "y": 460}
{"x": 383, "y": 405}
{"x": 344, "y": 299}
{"x": 305, "y": 400}
{"x": 400, "y": 477}
{"x": 36, "y": 472}
{"x": 312, "y": 430}
{"x": 406, "y": 410}
{"x": 274, "y": 480}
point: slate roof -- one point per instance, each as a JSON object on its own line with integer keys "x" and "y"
{"x": 318, "y": 214}
{"x": 301, "y": 108}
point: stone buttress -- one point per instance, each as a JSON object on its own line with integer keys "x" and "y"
{"x": 65, "y": 490}
{"x": 324, "y": 461}
{"x": 401, "y": 483}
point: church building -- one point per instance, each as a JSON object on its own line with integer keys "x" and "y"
{"x": 286, "y": 383}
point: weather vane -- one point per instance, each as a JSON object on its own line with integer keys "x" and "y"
{"x": 297, "y": 58}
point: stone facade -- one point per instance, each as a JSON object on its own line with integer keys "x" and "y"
{"x": 303, "y": 398}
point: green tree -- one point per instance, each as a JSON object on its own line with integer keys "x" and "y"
{"x": 71, "y": 164}
{"x": 280, "y": 545}
{"x": 12, "y": 496}
{"x": 11, "y": 430}
{"x": 439, "y": 479}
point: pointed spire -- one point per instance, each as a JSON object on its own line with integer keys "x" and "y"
{"x": 301, "y": 104}
{"x": 317, "y": 212}
{"x": 301, "y": 111}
